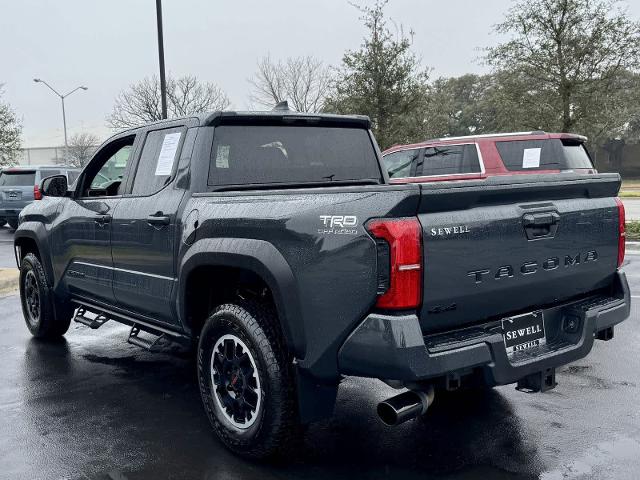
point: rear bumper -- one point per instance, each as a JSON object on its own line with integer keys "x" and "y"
{"x": 393, "y": 347}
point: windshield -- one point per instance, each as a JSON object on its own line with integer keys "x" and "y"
{"x": 291, "y": 154}
{"x": 18, "y": 179}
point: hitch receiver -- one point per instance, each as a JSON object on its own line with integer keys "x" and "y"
{"x": 606, "y": 334}
{"x": 538, "y": 382}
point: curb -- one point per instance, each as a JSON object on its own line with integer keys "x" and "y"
{"x": 8, "y": 280}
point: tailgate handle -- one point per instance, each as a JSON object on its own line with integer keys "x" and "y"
{"x": 541, "y": 225}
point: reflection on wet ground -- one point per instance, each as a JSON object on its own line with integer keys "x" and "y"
{"x": 92, "y": 406}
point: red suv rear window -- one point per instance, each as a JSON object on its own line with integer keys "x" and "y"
{"x": 550, "y": 154}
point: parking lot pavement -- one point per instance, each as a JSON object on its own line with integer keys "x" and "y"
{"x": 7, "y": 259}
{"x": 93, "y": 407}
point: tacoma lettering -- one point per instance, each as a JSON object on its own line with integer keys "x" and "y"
{"x": 532, "y": 266}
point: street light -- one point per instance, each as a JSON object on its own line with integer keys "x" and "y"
{"x": 163, "y": 83}
{"x": 62, "y": 97}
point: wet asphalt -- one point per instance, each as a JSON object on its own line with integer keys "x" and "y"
{"x": 92, "y": 406}
{"x": 7, "y": 258}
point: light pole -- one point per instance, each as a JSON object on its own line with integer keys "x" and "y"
{"x": 64, "y": 117}
{"x": 163, "y": 83}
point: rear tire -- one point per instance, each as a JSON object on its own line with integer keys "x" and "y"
{"x": 246, "y": 380}
{"x": 38, "y": 303}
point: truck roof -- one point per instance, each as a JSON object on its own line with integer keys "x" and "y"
{"x": 272, "y": 117}
{"x": 284, "y": 117}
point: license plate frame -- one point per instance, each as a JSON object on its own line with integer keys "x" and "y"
{"x": 523, "y": 332}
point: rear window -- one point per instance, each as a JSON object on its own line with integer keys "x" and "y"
{"x": 18, "y": 179}
{"x": 450, "y": 160}
{"x": 291, "y": 154}
{"x": 551, "y": 154}
{"x": 398, "y": 164}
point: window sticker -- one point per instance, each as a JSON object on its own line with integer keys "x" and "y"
{"x": 531, "y": 158}
{"x": 167, "y": 154}
{"x": 222, "y": 156}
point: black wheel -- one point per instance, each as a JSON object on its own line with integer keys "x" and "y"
{"x": 246, "y": 380}
{"x": 38, "y": 301}
{"x": 13, "y": 223}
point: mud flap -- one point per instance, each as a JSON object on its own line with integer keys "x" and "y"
{"x": 315, "y": 400}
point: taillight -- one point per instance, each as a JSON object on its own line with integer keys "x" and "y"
{"x": 622, "y": 237}
{"x": 400, "y": 242}
{"x": 37, "y": 194}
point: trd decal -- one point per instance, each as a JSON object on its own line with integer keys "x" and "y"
{"x": 338, "y": 224}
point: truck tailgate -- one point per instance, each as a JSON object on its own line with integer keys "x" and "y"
{"x": 506, "y": 245}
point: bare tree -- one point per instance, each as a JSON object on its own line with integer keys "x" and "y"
{"x": 81, "y": 148}
{"x": 140, "y": 103}
{"x": 10, "y": 130}
{"x": 304, "y": 82}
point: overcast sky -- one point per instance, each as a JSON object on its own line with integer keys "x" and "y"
{"x": 108, "y": 44}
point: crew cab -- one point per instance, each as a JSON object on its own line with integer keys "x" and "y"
{"x": 481, "y": 156}
{"x": 274, "y": 243}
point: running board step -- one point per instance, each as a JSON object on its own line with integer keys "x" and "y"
{"x": 146, "y": 343}
{"x": 92, "y": 322}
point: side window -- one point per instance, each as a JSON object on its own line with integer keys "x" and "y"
{"x": 104, "y": 175}
{"x": 529, "y": 155}
{"x": 113, "y": 169}
{"x": 398, "y": 164}
{"x": 450, "y": 160}
{"x": 551, "y": 154}
{"x": 157, "y": 161}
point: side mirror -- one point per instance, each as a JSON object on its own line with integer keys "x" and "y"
{"x": 54, "y": 186}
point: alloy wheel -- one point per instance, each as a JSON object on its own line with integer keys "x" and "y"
{"x": 32, "y": 297}
{"x": 235, "y": 381}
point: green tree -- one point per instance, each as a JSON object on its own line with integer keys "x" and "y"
{"x": 384, "y": 80}
{"x": 460, "y": 106}
{"x": 563, "y": 62}
{"x": 10, "y": 131}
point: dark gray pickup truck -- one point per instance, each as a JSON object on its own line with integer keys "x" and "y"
{"x": 274, "y": 242}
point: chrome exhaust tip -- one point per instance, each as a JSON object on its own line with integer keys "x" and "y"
{"x": 405, "y": 406}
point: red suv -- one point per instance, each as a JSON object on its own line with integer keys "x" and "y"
{"x": 481, "y": 156}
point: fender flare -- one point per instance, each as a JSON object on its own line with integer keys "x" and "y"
{"x": 33, "y": 231}
{"x": 261, "y": 258}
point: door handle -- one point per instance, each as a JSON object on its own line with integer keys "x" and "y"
{"x": 158, "y": 219}
{"x": 102, "y": 219}
{"x": 540, "y": 225}
{"x": 540, "y": 219}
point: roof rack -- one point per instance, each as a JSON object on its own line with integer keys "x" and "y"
{"x": 488, "y": 135}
